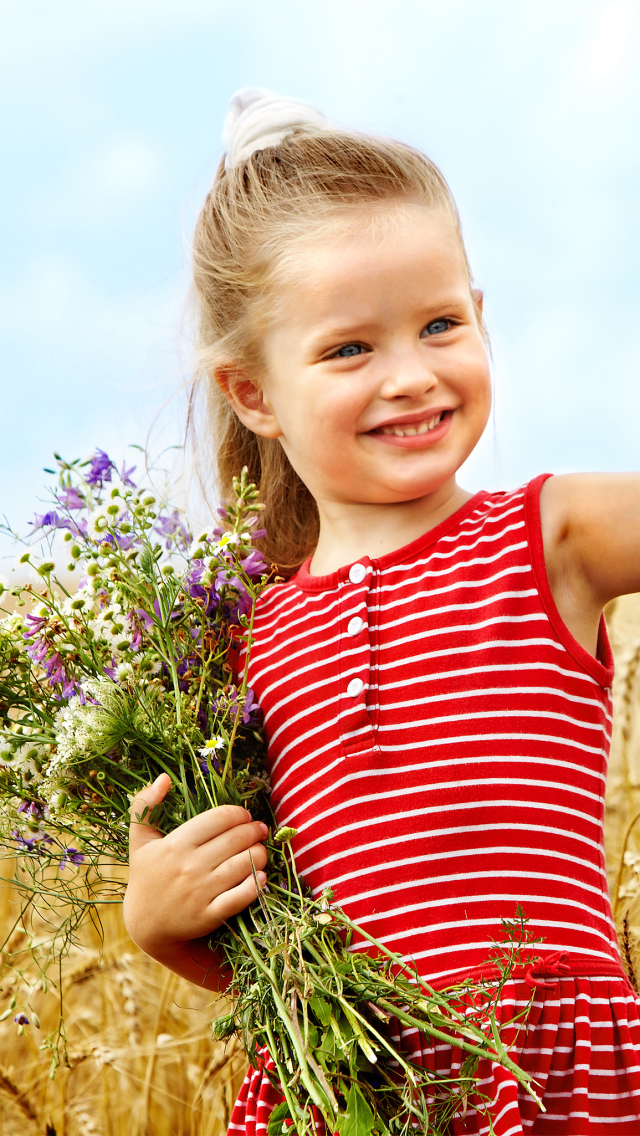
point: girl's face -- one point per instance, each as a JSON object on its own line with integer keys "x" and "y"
{"x": 377, "y": 380}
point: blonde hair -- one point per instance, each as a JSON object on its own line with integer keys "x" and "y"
{"x": 248, "y": 229}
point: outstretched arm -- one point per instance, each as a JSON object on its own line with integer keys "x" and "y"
{"x": 591, "y": 535}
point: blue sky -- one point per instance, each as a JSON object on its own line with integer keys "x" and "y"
{"x": 110, "y": 134}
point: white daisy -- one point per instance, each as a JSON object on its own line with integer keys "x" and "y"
{"x": 99, "y": 523}
{"x": 125, "y": 672}
{"x": 212, "y": 746}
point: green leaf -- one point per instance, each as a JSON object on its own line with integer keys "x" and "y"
{"x": 321, "y": 1009}
{"x": 277, "y": 1118}
{"x": 146, "y": 565}
{"x": 358, "y": 1119}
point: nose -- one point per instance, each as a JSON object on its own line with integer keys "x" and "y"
{"x": 407, "y": 375}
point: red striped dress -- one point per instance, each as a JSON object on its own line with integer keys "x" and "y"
{"x": 439, "y": 740}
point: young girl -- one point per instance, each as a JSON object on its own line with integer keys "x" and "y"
{"x": 434, "y": 674}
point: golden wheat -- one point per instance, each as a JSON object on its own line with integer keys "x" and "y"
{"x": 141, "y": 1058}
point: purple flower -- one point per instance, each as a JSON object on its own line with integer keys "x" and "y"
{"x": 203, "y": 763}
{"x": 101, "y": 468}
{"x": 172, "y": 526}
{"x": 71, "y": 689}
{"x": 125, "y": 475}
{"x": 71, "y": 856}
{"x": 254, "y": 564}
{"x": 37, "y": 622}
{"x": 21, "y": 1020}
{"x": 251, "y": 709}
{"x": 50, "y": 520}
{"x": 31, "y": 843}
{"x": 31, "y": 807}
{"x": 69, "y": 498}
{"x": 240, "y": 603}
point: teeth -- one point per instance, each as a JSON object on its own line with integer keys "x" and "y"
{"x": 410, "y": 431}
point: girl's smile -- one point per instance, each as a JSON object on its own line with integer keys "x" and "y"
{"x": 415, "y": 431}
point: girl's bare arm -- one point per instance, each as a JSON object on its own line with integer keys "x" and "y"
{"x": 591, "y": 535}
{"x": 183, "y": 886}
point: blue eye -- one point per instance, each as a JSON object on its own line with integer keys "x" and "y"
{"x": 348, "y": 350}
{"x": 437, "y": 327}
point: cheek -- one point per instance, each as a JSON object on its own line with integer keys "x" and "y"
{"x": 478, "y": 381}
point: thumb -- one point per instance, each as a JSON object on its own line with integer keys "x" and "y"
{"x": 140, "y": 831}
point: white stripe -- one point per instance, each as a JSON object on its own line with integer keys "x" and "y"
{"x": 456, "y": 831}
{"x": 459, "y": 877}
{"x": 435, "y": 811}
{"x": 474, "y": 901}
{"x": 416, "y": 767}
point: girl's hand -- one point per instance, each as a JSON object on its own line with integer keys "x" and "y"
{"x": 183, "y": 886}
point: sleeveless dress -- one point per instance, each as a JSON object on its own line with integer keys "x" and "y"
{"x": 439, "y": 740}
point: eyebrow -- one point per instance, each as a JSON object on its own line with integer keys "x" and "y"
{"x": 342, "y": 332}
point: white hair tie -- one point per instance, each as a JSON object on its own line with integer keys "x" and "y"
{"x": 258, "y": 118}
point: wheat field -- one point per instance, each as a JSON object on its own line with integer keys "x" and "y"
{"x": 141, "y": 1061}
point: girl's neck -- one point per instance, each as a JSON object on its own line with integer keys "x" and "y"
{"x": 349, "y": 532}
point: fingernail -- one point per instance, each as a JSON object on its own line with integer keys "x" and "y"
{"x": 249, "y": 815}
{"x": 262, "y": 879}
{"x": 264, "y": 829}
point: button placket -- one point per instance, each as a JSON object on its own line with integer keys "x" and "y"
{"x": 355, "y": 724}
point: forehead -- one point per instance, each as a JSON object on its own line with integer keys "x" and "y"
{"x": 366, "y": 258}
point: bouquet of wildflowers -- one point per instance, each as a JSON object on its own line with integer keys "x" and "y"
{"x": 133, "y": 671}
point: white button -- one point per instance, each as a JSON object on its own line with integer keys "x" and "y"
{"x": 355, "y": 625}
{"x": 355, "y": 687}
{"x": 357, "y": 573}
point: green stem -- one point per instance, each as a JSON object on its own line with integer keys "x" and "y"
{"x": 242, "y": 692}
{"x": 309, "y": 1085}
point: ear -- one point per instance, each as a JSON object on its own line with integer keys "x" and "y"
{"x": 249, "y": 401}
{"x": 478, "y": 298}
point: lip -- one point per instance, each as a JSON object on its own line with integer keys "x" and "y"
{"x": 415, "y": 441}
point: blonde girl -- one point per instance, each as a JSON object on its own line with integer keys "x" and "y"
{"x": 434, "y": 672}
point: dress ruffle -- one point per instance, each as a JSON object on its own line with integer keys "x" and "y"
{"x": 581, "y": 1041}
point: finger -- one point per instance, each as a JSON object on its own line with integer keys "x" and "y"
{"x": 235, "y": 900}
{"x": 206, "y": 826}
{"x": 238, "y": 868}
{"x": 228, "y": 845}
{"x": 140, "y": 831}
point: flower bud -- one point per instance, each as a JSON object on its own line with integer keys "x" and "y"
{"x": 285, "y": 834}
